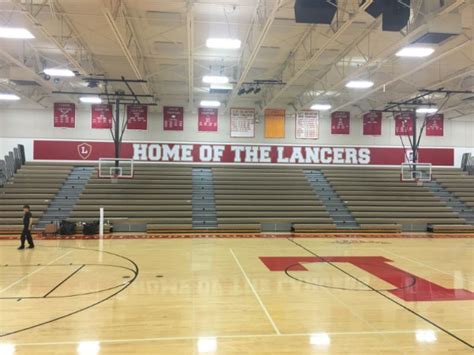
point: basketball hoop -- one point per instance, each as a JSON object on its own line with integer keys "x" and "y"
{"x": 419, "y": 182}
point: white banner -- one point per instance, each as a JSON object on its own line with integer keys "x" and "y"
{"x": 242, "y": 122}
{"x": 307, "y": 124}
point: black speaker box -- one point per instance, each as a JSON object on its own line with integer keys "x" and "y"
{"x": 395, "y": 13}
{"x": 315, "y": 11}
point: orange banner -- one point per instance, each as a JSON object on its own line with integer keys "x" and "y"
{"x": 274, "y": 123}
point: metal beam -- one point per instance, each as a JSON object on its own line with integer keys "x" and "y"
{"x": 34, "y": 96}
{"x": 117, "y": 17}
{"x": 292, "y": 71}
{"x": 376, "y": 61}
{"x": 190, "y": 50}
{"x": 262, "y": 20}
{"x": 80, "y": 57}
{"x": 405, "y": 74}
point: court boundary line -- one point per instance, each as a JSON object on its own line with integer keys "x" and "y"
{"x": 262, "y": 305}
{"x": 237, "y": 336}
{"x": 447, "y": 332}
{"x": 34, "y": 272}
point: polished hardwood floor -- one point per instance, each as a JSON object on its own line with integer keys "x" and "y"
{"x": 238, "y": 296}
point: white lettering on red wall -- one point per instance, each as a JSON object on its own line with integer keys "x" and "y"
{"x": 236, "y": 153}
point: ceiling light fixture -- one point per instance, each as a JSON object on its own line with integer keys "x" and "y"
{"x": 321, "y": 107}
{"x": 426, "y": 110}
{"x": 215, "y": 79}
{"x": 223, "y": 43}
{"x": 90, "y": 99}
{"x": 222, "y": 86}
{"x": 359, "y": 84}
{"x": 59, "y": 72}
{"x": 210, "y": 103}
{"x": 15, "y": 33}
{"x": 417, "y": 52}
{"x": 9, "y": 97}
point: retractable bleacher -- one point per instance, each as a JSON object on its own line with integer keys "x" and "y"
{"x": 377, "y": 196}
{"x": 34, "y": 184}
{"x": 246, "y": 197}
{"x": 158, "y": 196}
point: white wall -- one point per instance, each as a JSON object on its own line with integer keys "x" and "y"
{"x": 24, "y": 125}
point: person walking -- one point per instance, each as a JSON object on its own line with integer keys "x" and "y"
{"x": 26, "y": 233}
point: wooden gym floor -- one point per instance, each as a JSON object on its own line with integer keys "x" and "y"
{"x": 238, "y": 296}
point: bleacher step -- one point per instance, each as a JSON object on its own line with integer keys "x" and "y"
{"x": 203, "y": 203}
{"x": 462, "y": 209}
{"x": 61, "y": 206}
{"x": 337, "y": 209}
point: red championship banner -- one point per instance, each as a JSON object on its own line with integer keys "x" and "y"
{"x": 435, "y": 125}
{"x": 137, "y": 117}
{"x": 64, "y": 115}
{"x": 242, "y": 122}
{"x": 404, "y": 124}
{"x": 173, "y": 118}
{"x": 207, "y": 119}
{"x": 372, "y": 122}
{"x": 307, "y": 124}
{"x": 236, "y": 153}
{"x": 340, "y": 122}
{"x": 101, "y": 116}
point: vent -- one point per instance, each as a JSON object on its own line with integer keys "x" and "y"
{"x": 25, "y": 82}
{"x": 439, "y": 29}
{"x": 159, "y": 18}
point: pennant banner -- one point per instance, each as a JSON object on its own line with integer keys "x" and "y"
{"x": 307, "y": 124}
{"x": 404, "y": 124}
{"x": 207, "y": 119}
{"x": 242, "y": 122}
{"x": 275, "y": 123}
{"x": 101, "y": 116}
{"x": 137, "y": 117}
{"x": 340, "y": 122}
{"x": 435, "y": 125}
{"x": 173, "y": 118}
{"x": 64, "y": 115}
{"x": 372, "y": 122}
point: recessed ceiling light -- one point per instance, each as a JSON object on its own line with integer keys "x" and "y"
{"x": 59, "y": 72}
{"x": 418, "y": 52}
{"x": 15, "y": 33}
{"x": 321, "y": 107}
{"x": 359, "y": 84}
{"x": 210, "y": 103}
{"x": 9, "y": 97}
{"x": 426, "y": 110}
{"x": 90, "y": 99}
{"x": 222, "y": 86}
{"x": 223, "y": 43}
{"x": 214, "y": 79}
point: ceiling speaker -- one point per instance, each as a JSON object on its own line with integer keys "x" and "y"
{"x": 315, "y": 11}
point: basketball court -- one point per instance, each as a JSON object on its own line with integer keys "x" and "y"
{"x": 236, "y": 177}
{"x": 227, "y": 295}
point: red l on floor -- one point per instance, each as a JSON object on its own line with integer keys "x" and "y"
{"x": 422, "y": 290}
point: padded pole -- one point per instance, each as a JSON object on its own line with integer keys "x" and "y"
{"x": 101, "y": 223}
